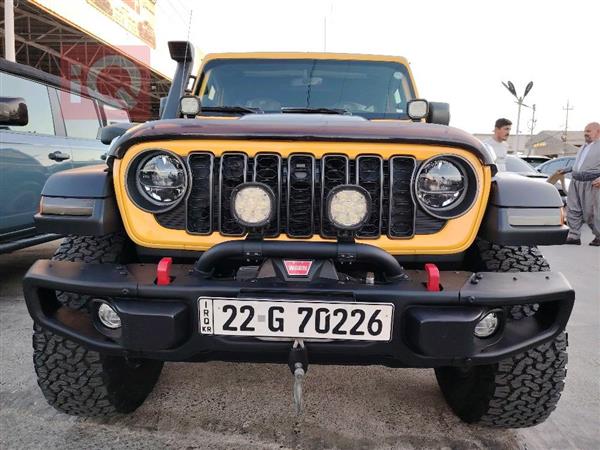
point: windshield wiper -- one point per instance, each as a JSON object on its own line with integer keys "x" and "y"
{"x": 297, "y": 110}
{"x": 231, "y": 109}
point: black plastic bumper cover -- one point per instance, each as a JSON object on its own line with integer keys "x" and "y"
{"x": 430, "y": 329}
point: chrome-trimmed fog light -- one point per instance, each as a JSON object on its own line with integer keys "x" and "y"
{"x": 348, "y": 206}
{"x": 487, "y": 325}
{"x": 108, "y": 316}
{"x": 253, "y": 204}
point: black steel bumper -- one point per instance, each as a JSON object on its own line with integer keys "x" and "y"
{"x": 430, "y": 328}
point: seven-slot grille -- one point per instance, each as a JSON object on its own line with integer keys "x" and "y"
{"x": 301, "y": 184}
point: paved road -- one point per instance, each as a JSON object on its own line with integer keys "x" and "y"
{"x": 225, "y": 405}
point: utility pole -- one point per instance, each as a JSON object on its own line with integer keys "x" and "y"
{"x": 531, "y": 127}
{"x": 566, "y": 109}
{"x": 9, "y": 30}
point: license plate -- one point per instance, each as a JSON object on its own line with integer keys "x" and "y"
{"x": 296, "y": 319}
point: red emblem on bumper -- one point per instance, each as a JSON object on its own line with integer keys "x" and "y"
{"x": 297, "y": 268}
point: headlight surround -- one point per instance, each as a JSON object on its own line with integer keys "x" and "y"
{"x": 348, "y": 206}
{"x": 446, "y": 186}
{"x": 253, "y": 204}
{"x": 157, "y": 180}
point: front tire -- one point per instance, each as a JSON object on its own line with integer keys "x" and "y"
{"x": 83, "y": 382}
{"x": 520, "y": 391}
{"x": 517, "y": 392}
{"x": 485, "y": 256}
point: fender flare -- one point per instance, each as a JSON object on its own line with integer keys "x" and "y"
{"x": 523, "y": 211}
{"x": 79, "y": 202}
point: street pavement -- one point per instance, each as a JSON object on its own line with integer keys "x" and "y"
{"x": 249, "y": 406}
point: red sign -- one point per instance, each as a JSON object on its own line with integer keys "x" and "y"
{"x": 297, "y": 268}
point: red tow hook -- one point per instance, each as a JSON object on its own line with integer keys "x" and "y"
{"x": 433, "y": 277}
{"x": 163, "y": 272}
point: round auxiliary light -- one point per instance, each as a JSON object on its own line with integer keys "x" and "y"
{"x": 161, "y": 178}
{"x": 108, "y": 316}
{"x": 253, "y": 204}
{"x": 487, "y": 325}
{"x": 348, "y": 207}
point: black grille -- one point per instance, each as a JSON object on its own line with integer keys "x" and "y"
{"x": 199, "y": 205}
{"x": 300, "y": 195}
{"x": 301, "y": 184}
{"x": 232, "y": 172}
{"x": 401, "y": 207}
{"x": 267, "y": 170}
{"x": 335, "y": 170}
{"x": 369, "y": 174}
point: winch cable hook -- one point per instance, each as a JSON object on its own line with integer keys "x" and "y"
{"x": 298, "y": 364}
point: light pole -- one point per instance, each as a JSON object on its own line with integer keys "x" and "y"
{"x": 511, "y": 88}
{"x": 532, "y": 123}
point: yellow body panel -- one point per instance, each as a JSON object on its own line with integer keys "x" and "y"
{"x": 456, "y": 236}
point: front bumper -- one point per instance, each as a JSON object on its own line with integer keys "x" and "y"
{"x": 430, "y": 329}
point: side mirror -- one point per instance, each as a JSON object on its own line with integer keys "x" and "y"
{"x": 108, "y": 133}
{"x": 439, "y": 113}
{"x": 13, "y": 111}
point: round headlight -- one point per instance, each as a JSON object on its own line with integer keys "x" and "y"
{"x": 348, "y": 207}
{"x": 443, "y": 186}
{"x": 253, "y": 204}
{"x": 161, "y": 178}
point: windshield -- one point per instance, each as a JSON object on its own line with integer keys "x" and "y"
{"x": 372, "y": 89}
{"x": 515, "y": 164}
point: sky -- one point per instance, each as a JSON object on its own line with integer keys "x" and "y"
{"x": 460, "y": 51}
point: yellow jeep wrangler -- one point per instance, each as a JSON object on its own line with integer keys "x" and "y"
{"x": 300, "y": 208}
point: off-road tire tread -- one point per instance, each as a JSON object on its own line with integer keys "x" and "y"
{"x": 70, "y": 376}
{"x": 83, "y": 382}
{"x": 518, "y": 392}
{"x": 509, "y": 258}
{"x": 108, "y": 248}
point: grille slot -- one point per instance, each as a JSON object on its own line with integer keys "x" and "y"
{"x": 267, "y": 170}
{"x": 300, "y": 195}
{"x": 232, "y": 171}
{"x": 335, "y": 170}
{"x": 369, "y": 175}
{"x": 401, "y": 223}
{"x": 199, "y": 203}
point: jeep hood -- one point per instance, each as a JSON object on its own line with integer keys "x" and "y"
{"x": 301, "y": 127}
